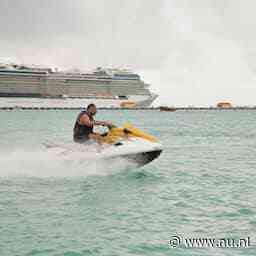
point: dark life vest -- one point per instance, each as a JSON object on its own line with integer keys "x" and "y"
{"x": 81, "y": 132}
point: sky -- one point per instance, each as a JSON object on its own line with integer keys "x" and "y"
{"x": 192, "y": 52}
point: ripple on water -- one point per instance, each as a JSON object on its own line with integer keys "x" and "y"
{"x": 203, "y": 185}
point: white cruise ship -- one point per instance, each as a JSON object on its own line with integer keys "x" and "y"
{"x": 36, "y": 87}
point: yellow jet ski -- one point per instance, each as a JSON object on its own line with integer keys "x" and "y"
{"x": 125, "y": 142}
{"x": 130, "y": 143}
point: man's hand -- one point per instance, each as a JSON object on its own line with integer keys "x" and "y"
{"x": 108, "y": 124}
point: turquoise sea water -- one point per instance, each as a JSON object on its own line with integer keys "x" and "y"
{"x": 202, "y": 186}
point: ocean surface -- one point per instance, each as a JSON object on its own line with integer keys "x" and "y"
{"x": 202, "y": 186}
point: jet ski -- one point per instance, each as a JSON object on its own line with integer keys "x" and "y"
{"x": 132, "y": 144}
{"x": 125, "y": 142}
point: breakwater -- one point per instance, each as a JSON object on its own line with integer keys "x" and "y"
{"x": 132, "y": 109}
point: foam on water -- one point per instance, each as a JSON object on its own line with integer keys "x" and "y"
{"x": 44, "y": 163}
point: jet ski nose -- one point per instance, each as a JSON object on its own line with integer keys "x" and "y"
{"x": 145, "y": 157}
{"x": 150, "y": 156}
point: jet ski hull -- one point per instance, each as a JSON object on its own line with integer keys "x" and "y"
{"x": 143, "y": 158}
{"x": 135, "y": 146}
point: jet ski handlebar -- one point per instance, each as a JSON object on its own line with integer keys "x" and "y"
{"x": 111, "y": 126}
{"x": 125, "y": 130}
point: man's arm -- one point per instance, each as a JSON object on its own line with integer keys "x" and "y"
{"x": 84, "y": 119}
{"x": 103, "y": 123}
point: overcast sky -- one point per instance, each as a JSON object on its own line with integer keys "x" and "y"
{"x": 193, "y": 52}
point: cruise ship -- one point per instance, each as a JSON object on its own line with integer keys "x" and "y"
{"x": 41, "y": 87}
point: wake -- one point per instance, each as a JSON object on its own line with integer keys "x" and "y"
{"x": 57, "y": 162}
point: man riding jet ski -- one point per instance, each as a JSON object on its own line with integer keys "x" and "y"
{"x": 83, "y": 129}
{"x": 125, "y": 142}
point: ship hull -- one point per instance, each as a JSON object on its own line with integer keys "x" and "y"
{"x": 69, "y": 103}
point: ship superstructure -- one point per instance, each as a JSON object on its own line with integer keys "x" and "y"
{"x": 34, "y": 86}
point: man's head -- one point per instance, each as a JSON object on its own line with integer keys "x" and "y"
{"x": 91, "y": 109}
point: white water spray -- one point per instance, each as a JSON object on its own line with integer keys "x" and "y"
{"x": 43, "y": 164}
